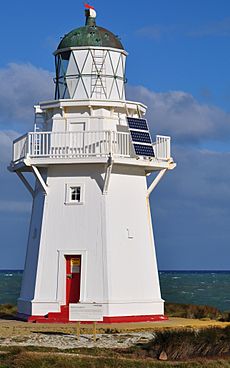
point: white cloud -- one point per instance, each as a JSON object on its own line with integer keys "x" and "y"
{"x": 15, "y": 206}
{"x": 22, "y": 86}
{"x": 180, "y": 115}
{"x": 156, "y": 32}
{"x": 219, "y": 28}
{"x": 6, "y": 141}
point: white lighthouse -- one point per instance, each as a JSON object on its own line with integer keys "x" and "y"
{"x": 90, "y": 238}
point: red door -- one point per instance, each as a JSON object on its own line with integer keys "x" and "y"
{"x": 73, "y": 279}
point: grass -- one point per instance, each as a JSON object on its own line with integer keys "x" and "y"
{"x": 22, "y": 358}
{"x": 187, "y": 348}
{"x": 7, "y": 311}
{"x": 186, "y": 344}
{"x": 194, "y": 311}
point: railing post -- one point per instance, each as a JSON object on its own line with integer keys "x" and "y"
{"x": 157, "y": 147}
{"x": 169, "y": 148}
{"x": 13, "y": 152}
{"x": 110, "y": 143}
{"x": 29, "y": 144}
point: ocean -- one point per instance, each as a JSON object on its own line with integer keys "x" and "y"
{"x": 10, "y": 282}
{"x": 197, "y": 287}
{"x": 190, "y": 287}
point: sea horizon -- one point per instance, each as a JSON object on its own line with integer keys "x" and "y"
{"x": 188, "y": 271}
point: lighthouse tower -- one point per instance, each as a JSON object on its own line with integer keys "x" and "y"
{"x": 90, "y": 238}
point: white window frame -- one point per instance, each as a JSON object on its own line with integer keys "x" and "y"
{"x": 68, "y": 200}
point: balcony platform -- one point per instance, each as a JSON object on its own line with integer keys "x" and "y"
{"x": 25, "y": 164}
{"x": 43, "y": 149}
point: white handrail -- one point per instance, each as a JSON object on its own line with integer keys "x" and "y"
{"x": 163, "y": 147}
{"x": 82, "y": 144}
{"x": 72, "y": 144}
{"x": 20, "y": 147}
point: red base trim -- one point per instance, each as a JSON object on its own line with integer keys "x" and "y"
{"x": 63, "y": 317}
{"x": 133, "y": 319}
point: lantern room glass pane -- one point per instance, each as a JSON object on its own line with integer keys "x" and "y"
{"x": 61, "y": 61}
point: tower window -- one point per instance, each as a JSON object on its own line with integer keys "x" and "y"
{"x": 74, "y": 194}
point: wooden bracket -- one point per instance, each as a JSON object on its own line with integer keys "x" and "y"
{"x": 40, "y": 178}
{"x": 155, "y": 182}
{"x": 107, "y": 175}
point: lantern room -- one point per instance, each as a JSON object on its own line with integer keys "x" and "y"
{"x": 90, "y": 63}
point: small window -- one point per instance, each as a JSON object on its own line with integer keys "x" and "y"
{"x": 74, "y": 194}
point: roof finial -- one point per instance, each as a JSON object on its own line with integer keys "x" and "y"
{"x": 90, "y": 14}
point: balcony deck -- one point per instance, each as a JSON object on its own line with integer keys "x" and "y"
{"x": 45, "y": 148}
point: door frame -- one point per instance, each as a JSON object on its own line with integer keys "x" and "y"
{"x": 61, "y": 274}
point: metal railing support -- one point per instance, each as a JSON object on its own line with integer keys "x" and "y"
{"x": 108, "y": 175}
{"x": 155, "y": 182}
{"x": 40, "y": 178}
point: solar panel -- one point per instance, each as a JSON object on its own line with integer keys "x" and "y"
{"x": 140, "y": 136}
{"x": 140, "y": 124}
{"x": 144, "y": 150}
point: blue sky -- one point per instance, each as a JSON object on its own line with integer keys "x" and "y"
{"x": 178, "y": 65}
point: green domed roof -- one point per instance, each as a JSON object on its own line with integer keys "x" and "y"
{"x": 90, "y": 35}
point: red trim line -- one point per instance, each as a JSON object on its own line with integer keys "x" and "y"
{"x": 127, "y": 319}
{"x": 64, "y": 318}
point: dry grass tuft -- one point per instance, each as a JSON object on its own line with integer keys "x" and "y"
{"x": 187, "y": 344}
{"x": 193, "y": 311}
{"x": 8, "y": 311}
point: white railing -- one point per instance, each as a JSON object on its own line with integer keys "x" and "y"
{"x": 162, "y": 147}
{"x": 20, "y": 147}
{"x": 82, "y": 144}
{"x": 72, "y": 144}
